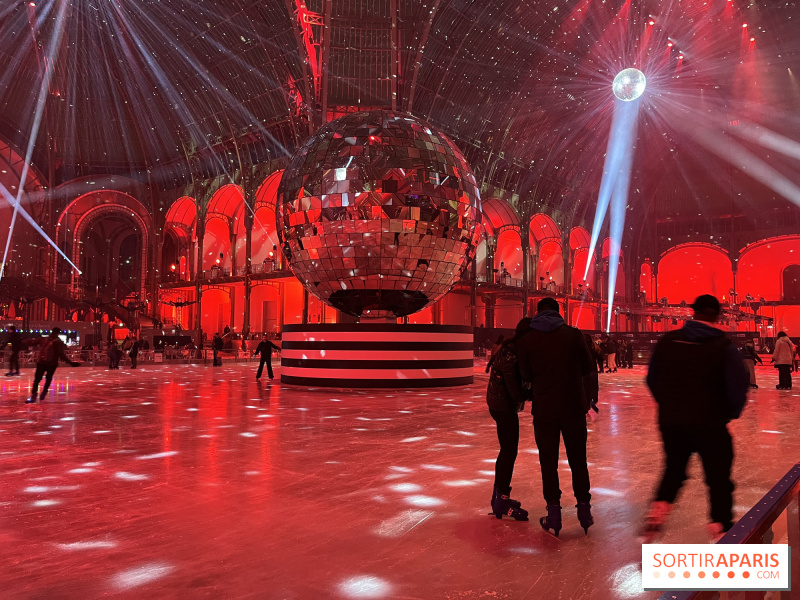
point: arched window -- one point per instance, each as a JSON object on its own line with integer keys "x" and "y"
{"x": 791, "y": 283}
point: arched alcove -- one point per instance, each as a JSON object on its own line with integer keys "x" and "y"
{"x": 689, "y": 270}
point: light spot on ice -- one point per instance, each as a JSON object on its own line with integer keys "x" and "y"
{"x": 364, "y": 586}
{"x": 140, "y": 575}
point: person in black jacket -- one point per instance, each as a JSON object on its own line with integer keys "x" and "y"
{"x": 51, "y": 351}
{"x": 506, "y": 398}
{"x": 264, "y": 349}
{"x": 699, "y": 382}
{"x": 629, "y": 355}
{"x": 554, "y": 359}
{"x": 15, "y": 341}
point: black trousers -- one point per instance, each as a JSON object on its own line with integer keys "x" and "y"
{"x": 548, "y": 435}
{"x": 47, "y": 370}
{"x": 216, "y": 362}
{"x": 13, "y": 362}
{"x": 134, "y": 361}
{"x": 785, "y": 376}
{"x": 508, "y": 436}
{"x": 714, "y": 445}
{"x": 265, "y": 360}
{"x": 600, "y": 363}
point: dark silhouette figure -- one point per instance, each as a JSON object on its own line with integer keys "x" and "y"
{"x": 493, "y": 351}
{"x": 216, "y": 346}
{"x": 264, "y": 349}
{"x": 554, "y": 358}
{"x": 51, "y": 351}
{"x": 629, "y": 355}
{"x": 783, "y": 357}
{"x": 15, "y": 341}
{"x": 699, "y": 382}
{"x": 750, "y": 358}
{"x": 506, "y": 397}
{"x": 133, "y": 353}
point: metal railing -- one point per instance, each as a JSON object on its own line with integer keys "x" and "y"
{"x": 756, "y": 528}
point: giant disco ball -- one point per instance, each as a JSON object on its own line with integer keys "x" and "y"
{"x": 378, "y": 214}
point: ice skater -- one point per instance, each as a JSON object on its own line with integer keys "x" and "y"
{"x": 506, "y": 398}
{"x": 133, "y": 353}
{"x": 216, "y": 347}
{"x": 264, "y": 349}
{"x": 50, "y": 352}
{"x": 782, "y": 356}
{"x": 750, "y": 358}
{"x": 700, "y": 384}
{"x": 554, "y": 358}
{"x": 15, "y": 341}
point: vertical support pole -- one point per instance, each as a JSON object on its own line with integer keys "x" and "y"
{"x": 232, "y": 294}
{"x": 473, "y": 296}
{"x": 248, "y": 249}
{"x": 305, "y": 306}
{"x": 198, "y": 315}
{"x": 525, "y": 275}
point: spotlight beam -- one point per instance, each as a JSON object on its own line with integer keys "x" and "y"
{"x": 52, "y": 53}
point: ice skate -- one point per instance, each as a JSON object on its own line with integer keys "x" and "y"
{"x": 502, "y": 506}
{"x": 654, "y": 521}
{"x": 585, "y": 516}
{"x": 552, "y": 520}
{"x": 496, "y": 494}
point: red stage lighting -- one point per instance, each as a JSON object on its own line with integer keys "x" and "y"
{"x": 680, "y": 57}
{"x": 752, "y": 39}
{"x": 669, "y": 44}
{"x": 32, "y": 4}
{"x": 744, "y": 24}
{"x": 173, "y": 267}
{"x": 651, "y": 22}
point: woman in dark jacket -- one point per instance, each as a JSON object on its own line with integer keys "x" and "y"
{"x": 505, "y": 397}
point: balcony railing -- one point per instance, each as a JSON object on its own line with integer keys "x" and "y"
{"x": 756, "y": 527}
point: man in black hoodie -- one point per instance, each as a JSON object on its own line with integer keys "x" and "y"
{"x": 700, "y": 383}
{"x": 554, "y": 358}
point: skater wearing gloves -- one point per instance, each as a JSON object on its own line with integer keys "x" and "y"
{"x": 506, "y": 398}
{"x": 554, "y": 359}
{"x": 700, "y": 383}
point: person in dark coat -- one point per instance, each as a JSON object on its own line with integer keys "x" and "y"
{"x": 133, "y": 353}
{"x": 216, "y": 347}
{"x": 506, "y": 398}
{"x": 15, "y": 341}
{"x": 699, "y": 381}
{"x": 629, "y": 354}
{"x": 492, "y": 352}
{"x": 264, "y": 349}
{"x": 750, "y": 358}
{"x": 51, "y": 351}
{"x": 554, "y": 359}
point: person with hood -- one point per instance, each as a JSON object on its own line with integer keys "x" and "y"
{"x": 699, "y": 381}
{"x": 51, "y": 351}
{"x": 782, "y": 356}
{"x": 554, "y": 359}
{"x": 506, "y": 398}
{"x": 493, "y": 351}
{"x": 750, "y": 358}
{"x": 15, "y": 341}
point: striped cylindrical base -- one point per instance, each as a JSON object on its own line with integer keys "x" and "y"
{"x": 376, "y": 355}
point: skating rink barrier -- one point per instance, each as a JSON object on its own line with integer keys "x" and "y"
{"x": 381, "y": 355}
{"x": 756, "y": 527}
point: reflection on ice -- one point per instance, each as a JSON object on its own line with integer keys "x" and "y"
{"x": 140, "y": 575}
{"x": 364, "y": 586}
{"x": 420, "y": 500}
{"x": 626, "y": 582}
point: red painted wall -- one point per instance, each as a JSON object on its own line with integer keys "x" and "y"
{"x": 689, "y": 271}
